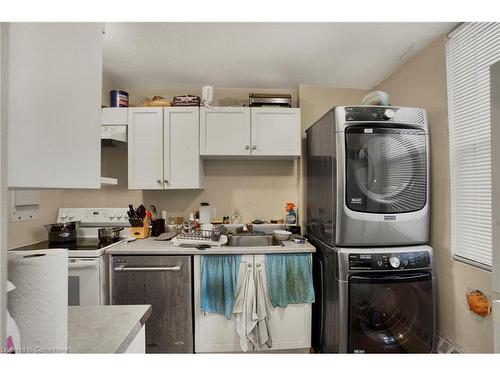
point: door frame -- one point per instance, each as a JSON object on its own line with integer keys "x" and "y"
{"x": 3, "y": 183}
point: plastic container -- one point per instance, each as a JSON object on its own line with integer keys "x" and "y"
{"x": 119, "y": 98}
{"x": 291, "y": 215}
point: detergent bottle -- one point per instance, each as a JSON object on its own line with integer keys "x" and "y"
{"x": 291, "y": 215}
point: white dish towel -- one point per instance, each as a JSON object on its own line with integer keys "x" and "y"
{"x": 251, "y": 309}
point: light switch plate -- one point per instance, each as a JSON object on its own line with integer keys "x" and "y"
{"x": 24, "y": 205}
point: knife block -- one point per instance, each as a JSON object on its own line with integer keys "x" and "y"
{"x": 141, "y": 232}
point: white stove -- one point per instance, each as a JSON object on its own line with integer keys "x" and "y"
{"x": 91, "y": 219}
{"x": 87, "y": 265}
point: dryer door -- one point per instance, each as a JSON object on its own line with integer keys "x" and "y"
{"x": 391, "y": 314}
{"x": 386, "y": 169}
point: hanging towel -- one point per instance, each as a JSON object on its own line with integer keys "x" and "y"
{"x": 289, "y": 277}
{"x": 263, "y": 330}
{"x": 219, "y": 278}
{"x": 251, "y": 312}
{"x": 244, "y": 308}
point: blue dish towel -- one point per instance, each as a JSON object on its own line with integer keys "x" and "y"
{"x": 219, "y": 279}
{"x": 289, "y": 277}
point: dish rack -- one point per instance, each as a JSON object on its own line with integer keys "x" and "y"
{"x": 199, "y": 237}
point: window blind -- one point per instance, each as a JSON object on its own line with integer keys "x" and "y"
{"x": 470, "y": 51}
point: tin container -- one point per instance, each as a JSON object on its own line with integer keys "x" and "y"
{"x": 119, "y": 98}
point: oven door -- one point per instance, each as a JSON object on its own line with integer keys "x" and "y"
{"x": 391, "y": 313}
{"x": 386, "y": 169}
{"x": 83, "y": 282}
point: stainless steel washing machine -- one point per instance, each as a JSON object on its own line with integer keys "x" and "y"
{"x": 368, "y": 176}
{"x": 374, "y": 300}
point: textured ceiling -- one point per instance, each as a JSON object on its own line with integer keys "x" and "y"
{"x": 265, "y": 55}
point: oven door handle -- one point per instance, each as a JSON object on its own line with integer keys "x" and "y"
{"x": 148, "y": 269}
{"x": 80, "y": 265}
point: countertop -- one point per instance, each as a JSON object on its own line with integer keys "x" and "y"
{"x": 104, "y": 329}
{"x": 149, "y": 246}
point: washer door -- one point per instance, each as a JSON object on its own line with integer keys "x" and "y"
{"x": 386, "y": 169}
{"x": 391, "y": 314}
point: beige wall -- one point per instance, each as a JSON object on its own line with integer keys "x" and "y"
{"x": 222, "y": 96}
{"x": 30, "y": 231}
{"x": 422, "y": 83}
{"x": 107, "y": 85}
{"x": 259, "y": 189}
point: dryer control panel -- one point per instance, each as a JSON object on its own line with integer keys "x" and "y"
{"x": 382, "y": 114}
{"x": 390, "y": 261}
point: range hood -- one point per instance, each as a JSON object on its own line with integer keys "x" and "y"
{"x": 113, "y": 133}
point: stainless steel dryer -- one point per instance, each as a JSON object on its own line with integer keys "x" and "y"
{"x": 368, "y": 176}
{"x": 374, "y": 300}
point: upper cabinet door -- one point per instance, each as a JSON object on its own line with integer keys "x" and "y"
{"x": 181, "y": 145}
{"x": 54, "y": 73}
{"x": 145, "y": 148}
{"x": 276, "y": 132}
{"x": 225, "y": 131}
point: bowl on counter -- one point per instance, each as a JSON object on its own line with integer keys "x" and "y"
{"x": 282, "y": 235}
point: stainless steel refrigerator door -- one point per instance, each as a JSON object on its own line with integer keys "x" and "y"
{"x": 165, "y": 283}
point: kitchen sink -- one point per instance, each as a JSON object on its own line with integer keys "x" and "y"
{"x": 253, "y": 240}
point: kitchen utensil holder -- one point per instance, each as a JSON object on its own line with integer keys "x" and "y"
{"x": 158, "y": 227}
{"x": 141, "y": 232}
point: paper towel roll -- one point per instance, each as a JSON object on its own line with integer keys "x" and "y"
{"x": 39, "y": 304}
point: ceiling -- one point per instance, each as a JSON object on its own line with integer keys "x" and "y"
{"x": 262, "y": 55}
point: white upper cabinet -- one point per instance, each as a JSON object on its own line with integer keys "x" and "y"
{"x": 54, "y": 73}
{"x": 145, "y": 148}
{"x": 163, "y": 148}
{"x": 258, "y": 132}
{"x": 276, "y": 132}
{"x": 181, "y": 147}
{"x": 225, "y": 131}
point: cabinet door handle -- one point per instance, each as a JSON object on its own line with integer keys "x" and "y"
{"x": 166, "y": 181}
{"x": 254, "y": 147}
{"x": 247, "y": 147}
{"x": 158, "y": 181}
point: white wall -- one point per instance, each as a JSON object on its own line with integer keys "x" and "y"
{"x": 3, "y": 188}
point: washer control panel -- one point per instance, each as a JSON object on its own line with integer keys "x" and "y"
{"x": 390, "y": 261}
